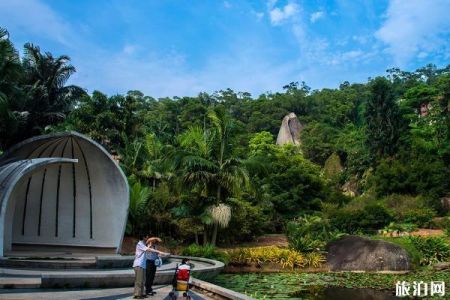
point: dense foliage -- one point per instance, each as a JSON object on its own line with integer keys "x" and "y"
{"x": 206, "y": 168}
{"x": 207, "y": 251}
{"x": 309, "y": 234}
{"x": 431, "y": 249}
{"x": 424, "y": 251}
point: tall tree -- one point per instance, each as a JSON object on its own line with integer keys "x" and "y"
{"x": 46, "y": 76}
{"x": 11, "y": 73}
{"x": 206, "y": 164}
{"x": 383, "y": 120}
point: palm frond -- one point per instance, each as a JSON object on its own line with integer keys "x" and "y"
{"x": 198, "y": 177}
{"x": 192, "y": 162}
{"x": 4, "y": 34}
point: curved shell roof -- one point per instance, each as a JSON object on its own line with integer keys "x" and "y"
{"x": 68, "y": 192}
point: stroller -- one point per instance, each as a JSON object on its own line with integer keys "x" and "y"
{"x": 181, "y": 280}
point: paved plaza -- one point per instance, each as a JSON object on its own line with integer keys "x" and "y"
{"x": 162, "y": 292}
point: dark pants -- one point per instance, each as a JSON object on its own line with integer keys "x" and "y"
{"x": 149, "y": 275}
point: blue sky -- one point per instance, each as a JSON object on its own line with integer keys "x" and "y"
{"x": 183, "y": 47}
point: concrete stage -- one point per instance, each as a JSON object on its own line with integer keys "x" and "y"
{"x": 84, "y": 271}
{"x": 80, "y": 275}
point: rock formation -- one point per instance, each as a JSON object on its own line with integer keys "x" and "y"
{"x": 290, "y": 130}
{"x": 355, "y": 253}
{"x": 350, "y": 188}
{"x": 333, "y": 166}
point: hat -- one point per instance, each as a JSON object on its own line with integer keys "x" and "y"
{"x": 153, "y": 239}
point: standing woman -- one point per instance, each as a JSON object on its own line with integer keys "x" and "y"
{"x": 152, "y": 255}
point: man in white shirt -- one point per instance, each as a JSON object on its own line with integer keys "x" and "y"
{"x": 139, "y": 266}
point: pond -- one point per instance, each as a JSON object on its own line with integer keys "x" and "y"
{"x": 317, "y": 286}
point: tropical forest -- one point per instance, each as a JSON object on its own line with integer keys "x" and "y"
{"x": 370, "y": 165}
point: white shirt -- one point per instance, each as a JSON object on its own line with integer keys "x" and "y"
{"x": 140, "y": 257}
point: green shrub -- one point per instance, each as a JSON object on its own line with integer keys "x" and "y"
{"x": 247, "y": 222}
{"x": 208, "y": 251}
{"x": 306, "y": 243}
{"x": 310, "y": 233}
{"x": 399, "y": 227}
{"x": 375, "y": 216}
{"x": 369, "y": 218}
{"x": 346, "y": 220}
{"x": 422, "y": 217}
{"x": 401, "y": 203}
{"x": 423, "y": 251}
{"x": 441, "y": 223}
{"x": 409, "y": 209}
{"x": 431, "y": 249}
{"x": 421, "y": 174}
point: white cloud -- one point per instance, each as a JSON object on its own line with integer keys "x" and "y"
{"x": 314, "y": 50}
{"x": 259, "y": 15}
{"x": 279, "y": 15}
{"x": 158, "y": 75}
{"x": 315, "y": 16}
{"x": 422, "y": 54}
{"x": 362, "y": 39}
{"x": 36, "y": 18}
{"x": 352, "y": 54}
{"x": 129, "y": 49}
{"x": 415, "y": 26}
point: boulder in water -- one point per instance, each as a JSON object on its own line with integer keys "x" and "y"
{"x": 355, "y": 253}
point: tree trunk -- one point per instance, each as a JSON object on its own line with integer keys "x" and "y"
{"x": 205, "y": 237}
{"x": 216, "y": 225}
{"x": 196, "y": 238}
{"x": 214, "y": 235}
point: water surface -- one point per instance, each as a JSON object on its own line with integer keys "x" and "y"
{"x": 296, "y": 286}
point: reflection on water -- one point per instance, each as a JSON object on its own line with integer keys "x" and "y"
{"x": 296, "y": 286}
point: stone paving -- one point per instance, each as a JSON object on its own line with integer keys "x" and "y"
{"x": 162, "y": 292}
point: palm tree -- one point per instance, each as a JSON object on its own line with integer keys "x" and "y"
{"x": 50, "y": 99}
{"x": 132, "y": 155}
{"x": 10, "y": 68}
{"x": 154, "y": 168}
{"x": 207, "y": 166}
{"x": 10, "y": 92}
{"x": 137, "y": 210}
